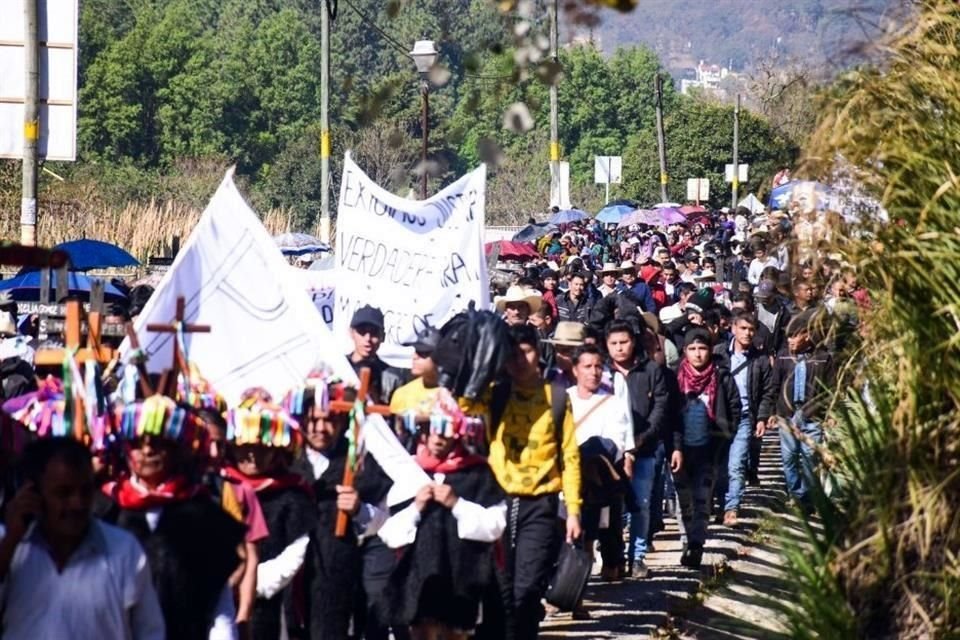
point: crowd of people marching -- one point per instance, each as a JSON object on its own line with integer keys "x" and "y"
{"x": 639, "y": 369}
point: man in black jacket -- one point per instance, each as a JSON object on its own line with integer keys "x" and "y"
{"x": 574, "y": 305}
{"x": 649, "y": 399}
{"x": 752, "y": 373}
{"x": 804, "y": 375}
{"x": 366, "y": 330}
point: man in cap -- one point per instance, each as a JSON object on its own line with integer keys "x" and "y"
{"x": 423, "y": 388}
{"x": 691, "y": 267}
{"x": 638, "y": 288}
{"x": 367, "y": 330}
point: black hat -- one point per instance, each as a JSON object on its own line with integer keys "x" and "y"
{"x": 697, "y": 335}
{"x": 426, "y": 341}
{"x": 367, "y": 315}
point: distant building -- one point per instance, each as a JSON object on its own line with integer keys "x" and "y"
{"x": 706, "y": 77}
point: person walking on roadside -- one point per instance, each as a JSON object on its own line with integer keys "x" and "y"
{"x": 752, "y": 373}
{"x": 710, "y": 411}
{"x": 649, "y": 401}
{"x": 804, "y": 377}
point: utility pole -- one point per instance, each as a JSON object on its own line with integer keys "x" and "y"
{"x": 661, "y": 138}
{"x": 325, "y": 121}
{"x": 31, "y": 124}
{"x": 425, "y": 125}
{"x": 554, "y": 109}
{"x": 736, "y": 154}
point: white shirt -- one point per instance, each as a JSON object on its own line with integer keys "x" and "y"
{"x": 611, "y": 420}
{"x": 104, "y": 590}
{"x": 757, "y": 266}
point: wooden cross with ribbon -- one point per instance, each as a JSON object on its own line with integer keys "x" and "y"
{"x": 168, "y": 381}
{"x": 343, "y": 406}
{"x": 93, "y": 352}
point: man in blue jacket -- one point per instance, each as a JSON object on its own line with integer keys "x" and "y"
{"x": 640, "y": 290}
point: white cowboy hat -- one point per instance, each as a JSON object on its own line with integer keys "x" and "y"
{"x": 519, "y": 294}
{"x": 609, "y": 267}
{"x": 627, "y": 265}
{"x": 706, "y": 275}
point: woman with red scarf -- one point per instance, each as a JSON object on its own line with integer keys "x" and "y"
{"x": 710, "y": 413}
{"x": 446, "y": 534}
{"x": 190, "y": 542}
{"x": 263, "y": 439}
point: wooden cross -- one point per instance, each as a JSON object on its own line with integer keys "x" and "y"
{"x": 94, "y": 351}
{"x": 168, "y": 381}
{"x": 342, "y": 406}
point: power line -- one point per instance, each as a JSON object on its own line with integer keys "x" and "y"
{"x": 402, "y": 49}
{"x": 386, "y": 36}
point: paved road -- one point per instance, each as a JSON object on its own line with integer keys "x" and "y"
{"x": 738, "y": 593}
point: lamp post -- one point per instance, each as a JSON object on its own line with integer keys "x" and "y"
{"x": 424, "y": 55}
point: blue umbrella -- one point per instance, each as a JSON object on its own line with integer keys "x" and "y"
{"x": 612, "y": 214}
{"x": 26, "y": 286}
{"x": 93, "y": 254}
{"x": 298, "y": 244}
{"x": 567, "y": 216}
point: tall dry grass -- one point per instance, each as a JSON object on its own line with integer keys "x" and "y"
{"x": 142, "y": 228}
{"x": 886, "y": 563}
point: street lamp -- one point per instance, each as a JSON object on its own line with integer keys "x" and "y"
{"x": 424, "y": 55}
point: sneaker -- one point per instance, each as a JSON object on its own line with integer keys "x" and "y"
{"x": 640, "y": 570}
{"x": 730, "y": 518}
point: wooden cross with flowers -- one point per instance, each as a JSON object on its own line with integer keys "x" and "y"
{"x": 356, "y": 410}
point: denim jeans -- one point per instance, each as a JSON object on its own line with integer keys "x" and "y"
{"x": 737, "y": 464}
{"x": 644, "y": 474}
{"x": 656, "y": 496}
{"x": 799, "y": 457}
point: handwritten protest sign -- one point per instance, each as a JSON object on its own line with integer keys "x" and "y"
{"x": 319, "y": 285}
{"x": 265, "y": 330}
{"x": 420, "y": 262}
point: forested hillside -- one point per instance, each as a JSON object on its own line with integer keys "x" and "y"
{"x": 174, "y": 91}
{"x": 738, "y": 34}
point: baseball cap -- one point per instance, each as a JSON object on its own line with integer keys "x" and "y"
{"x": 426, "y": 341}
{"x": 367, "y": 315}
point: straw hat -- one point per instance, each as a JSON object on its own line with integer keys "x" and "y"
{"x": 609, "y": 267}
{"x": 568, "y": 334}
{"x": 706, "y": 276}
{"x": 627, "y": 265}
{"x": 519, "y": 294}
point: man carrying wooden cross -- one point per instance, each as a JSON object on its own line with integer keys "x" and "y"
{"x": 333, "y": 566}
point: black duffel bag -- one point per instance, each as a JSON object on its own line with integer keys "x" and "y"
{"x": 570, "y": 577}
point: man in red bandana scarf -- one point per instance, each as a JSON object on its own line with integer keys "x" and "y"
{"x": 710, "y": 413}
{"x": 190, "y": 542}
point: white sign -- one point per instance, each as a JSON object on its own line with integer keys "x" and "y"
{"x": 561, "y": 198}
{"x": 58, "y": 79}
{"x": 728, "y": 173}
{"x": 419, "y": 261}
{"x": 698, "y": 189}
{"x": 608, "y": 169}
{"x": 319, "y": 285}
{"x": 265, "y": 332}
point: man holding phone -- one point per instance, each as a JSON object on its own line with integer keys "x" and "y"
{"x": 63, "y": 572}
